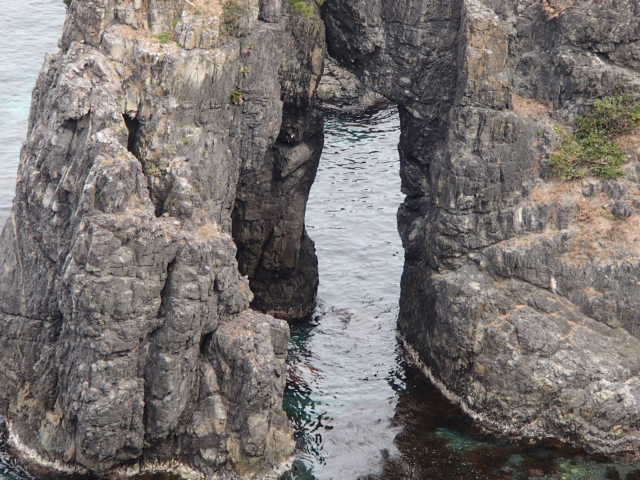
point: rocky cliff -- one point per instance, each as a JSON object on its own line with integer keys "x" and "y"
{"x": 520, "y": 291}
{"x": 166, "y": 137}
{"x": 162, "y": 191}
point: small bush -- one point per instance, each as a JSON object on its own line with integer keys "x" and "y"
{"x": 237, "y": 97}
{"x": 164, "y": 37}
{"x": 591, "y": 149}
{"x": 610, "y": 116}
{"x": 303, "y": 7}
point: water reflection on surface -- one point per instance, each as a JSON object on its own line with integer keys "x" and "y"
{"x": 30, "y": 28}
{"x": 360, "y": 412}
{"x": 340, "y": 361}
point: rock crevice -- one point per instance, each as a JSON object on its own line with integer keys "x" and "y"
{"x": 161, "y": 198}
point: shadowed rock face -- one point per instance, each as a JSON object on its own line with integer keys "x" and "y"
{"x": 520, "y": 292}
{"x": 341, "y": 91}
{"x": 170, "y": 152}
{"x": 127, "y": 343}
{"x": 274, "y": 250}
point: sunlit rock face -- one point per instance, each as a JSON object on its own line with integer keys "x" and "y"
{"x": 520, "y": 291}
{"x": 126, "y": 339}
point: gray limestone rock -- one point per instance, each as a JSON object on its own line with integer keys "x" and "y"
{"x": 520, "y": 291}
{"x": 170, "y": 152}
{"x": 274, "y": 250}
{"x": 127, "y": 344}
{"x": 341, "y": 91}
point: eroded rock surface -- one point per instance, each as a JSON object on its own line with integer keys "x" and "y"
{"x": 520, "y": 292}
{"x": 268, "y": 221}
{"x": 126, "y": 336}
{"x": 341, "y": 91}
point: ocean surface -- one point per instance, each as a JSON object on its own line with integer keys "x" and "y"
{"x": 30, "y": 29}
{"x": 359, "y": 411}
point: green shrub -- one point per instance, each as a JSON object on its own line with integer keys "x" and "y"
{"x": 591, "y": 149}
{"x": 237, "y": 97}
{"x": 610, "y": 116}
{"x": 303, "y": 7}
{"x": 164, "y": 37}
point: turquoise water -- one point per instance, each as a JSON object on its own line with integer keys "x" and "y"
{"x": 360, "y": 412}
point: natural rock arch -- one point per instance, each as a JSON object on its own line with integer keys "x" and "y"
{"x": 516, "y": 301}
{"x": 127, "y": 340}
{"x": 164, "y": 135}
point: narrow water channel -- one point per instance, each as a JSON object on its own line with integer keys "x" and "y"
{"x": 343, "y": 362}
{"x": 359, "y": 411}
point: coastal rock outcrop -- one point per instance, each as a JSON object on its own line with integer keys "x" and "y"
{"x": 274, "y": 249}
{"x": 160, "y": 205}
{"x": 342, "y": 92}
{"x": 520, "y": 291}
{"x": 127, "y": 340}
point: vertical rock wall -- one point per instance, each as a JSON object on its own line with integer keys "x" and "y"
{"x": 125, "y": 335}
{"x": 520, "y": 291}
{"x": 274, "y": 248}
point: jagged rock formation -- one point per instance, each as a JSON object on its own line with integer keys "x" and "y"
{"x": 127, "y": 343}
{"x": 268, "y": 221}
{"x": 170, "y": 152}
{"x": 520, "y": 292}
{"x": 341, "y": 91}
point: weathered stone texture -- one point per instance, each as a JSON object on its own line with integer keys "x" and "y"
{"x": 520, "y": 292}
{"x": 341, "y": 91}
{"x": 126, "y": 339}
{"x": 274, "y": 248}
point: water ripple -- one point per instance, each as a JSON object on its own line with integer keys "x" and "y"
{"x": 30, "y": 29}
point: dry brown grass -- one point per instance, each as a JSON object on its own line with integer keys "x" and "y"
{"x": 594, "y": 233}
{"x": 530, "y": 108}
{"x": 630, "y": 144}
{"x": 556, "y": 191}
{"x": 555, "y": 8}
{"x": 125, "y": 31}
{"x": 204, "y": 7}
{"x": 209, "y": 230}
{"x": 598, "y": 232}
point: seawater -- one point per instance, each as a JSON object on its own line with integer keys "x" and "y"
{"x": 30, "y": 28}
{"x": 359, "y": 411}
